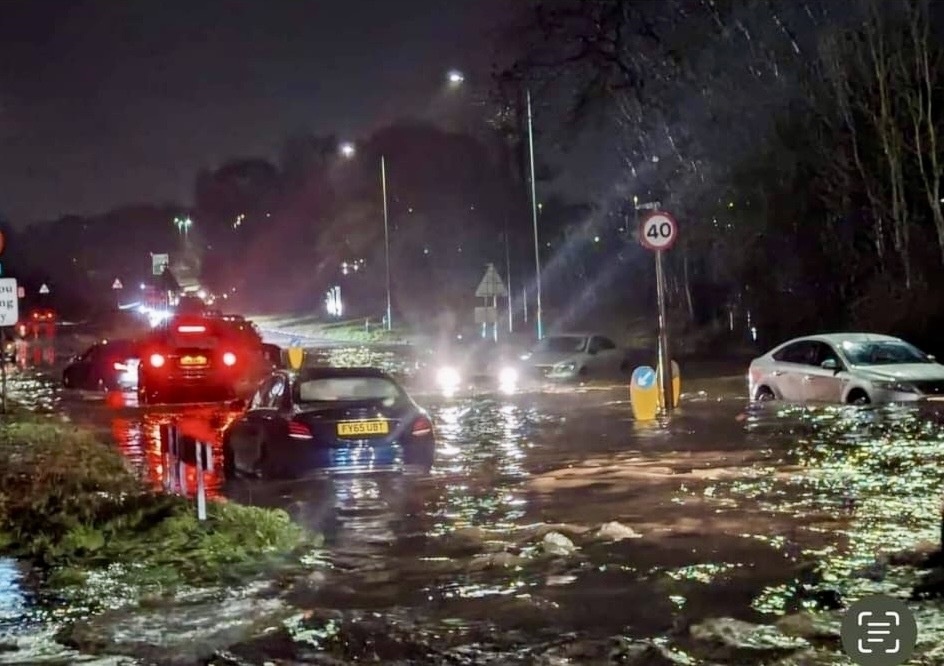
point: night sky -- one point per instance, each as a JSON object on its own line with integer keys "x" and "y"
{"x": 107, "y": 102}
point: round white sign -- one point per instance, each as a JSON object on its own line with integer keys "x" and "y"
{"x": 658, "y": 232}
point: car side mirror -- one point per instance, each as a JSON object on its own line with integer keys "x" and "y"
{"x": 830, "y": 364}
{"x": 592, "y": 351}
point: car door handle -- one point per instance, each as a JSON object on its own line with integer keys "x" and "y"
{"x": 777, "y": 373}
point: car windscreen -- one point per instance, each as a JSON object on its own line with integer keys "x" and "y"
{"x": 346, "y": 389}
{"x": 562, "y": 344}
{"x": 885, "y": 352}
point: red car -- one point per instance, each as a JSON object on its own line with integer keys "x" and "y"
{"x": 38, "y": 322}
{"x": 199, "y": 359}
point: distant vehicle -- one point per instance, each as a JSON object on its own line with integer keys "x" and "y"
{"x": 9, "y": 351}
{"x": 37, "y": 323}
{"x": 199, "y": 359}
{"x": 577, "y": 356}
{"x": 107, "y": 366}
{"x": 851, "y": 368}
{"x": 328, "y": 419}
{"x": 478, "y": 363}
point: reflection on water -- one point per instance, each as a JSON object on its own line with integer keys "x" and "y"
{"x": 737, "y": 512}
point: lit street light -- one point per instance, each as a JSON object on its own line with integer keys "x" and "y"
{"x": 183, "y": 225}
{"x": 348, "y": 150}
{"x": 455, "y": 77}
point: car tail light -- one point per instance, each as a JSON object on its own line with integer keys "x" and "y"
{"x": 298, "y": 430}
{"x": 191, "y": 329}
{"x": 229, "y": 358}
{"x": 157, "y": 360}
{"x": 422, "y": 427}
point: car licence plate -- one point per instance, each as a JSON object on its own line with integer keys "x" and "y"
{"x": 358, "y": 428}
{"x": 190, "y": 361}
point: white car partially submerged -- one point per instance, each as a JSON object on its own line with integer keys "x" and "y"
{"x": 852, "y": 368}
{"x": 576, "y": 356}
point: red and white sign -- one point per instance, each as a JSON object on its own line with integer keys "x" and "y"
{"x": 658, "y": 232}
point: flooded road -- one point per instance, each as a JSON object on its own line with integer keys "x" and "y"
{"x": 551, "y": 513}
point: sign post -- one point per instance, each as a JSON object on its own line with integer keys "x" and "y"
{"x": 117, "y": 287}
{"x": 9, "y": 315}
{"x": 644, "y": 394}
{"x": 658, "y": 233}
{"x": 489, "y": 289}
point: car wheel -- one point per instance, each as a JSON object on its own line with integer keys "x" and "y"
{"x": 859, "y": 397}
{"x": 765, "y": 394}
{"x": 583, "y": 372}
{"x": 229, "y": 461}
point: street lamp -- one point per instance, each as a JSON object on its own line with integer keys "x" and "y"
{"x": 348, "y": 150}
{"x": 455, "y": 77}
{"x": 534, "y": 220}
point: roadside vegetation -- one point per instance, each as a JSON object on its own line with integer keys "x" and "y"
{"x": 71, "y": 506}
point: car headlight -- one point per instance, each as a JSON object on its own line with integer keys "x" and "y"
{"x": 508, "y": 376}
{"x": 448, "y": 378}
{"x": 565, "y": 367}
{"x": 897, "y": 387}
{"x": 525, "y": 357}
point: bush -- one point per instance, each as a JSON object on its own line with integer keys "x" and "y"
{"x": 69, "y": 503}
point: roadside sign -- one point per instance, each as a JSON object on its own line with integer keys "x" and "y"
{"x": 44, "y": 289}
{"x": 658, "y": 232}
{"x": 296, "y": 356}
{"x": 491, "y": 285}
{"x": 117, "y": 284}
{"x": 9, "y": 302}
{"x": 644, "y": 393}
{"x": 159, "y": 262}
{"x": 676, "y": 384}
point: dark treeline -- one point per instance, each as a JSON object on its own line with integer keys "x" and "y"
{"x": 798, "y": 144}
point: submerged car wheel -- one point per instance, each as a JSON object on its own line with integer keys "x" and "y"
{"x": 765, "y": 394}
{"x": 859, "y": 397}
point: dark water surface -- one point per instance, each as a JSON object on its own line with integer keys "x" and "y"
{"x": 726, "y": 511}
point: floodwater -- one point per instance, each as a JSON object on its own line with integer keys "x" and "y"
{"x": 550, "y": 515}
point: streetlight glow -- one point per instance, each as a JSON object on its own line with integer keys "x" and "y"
{"x": 455, "y": 77}
{"x": 348, "y": 149}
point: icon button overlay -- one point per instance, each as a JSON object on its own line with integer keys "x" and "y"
{"x": 879, "y": 631}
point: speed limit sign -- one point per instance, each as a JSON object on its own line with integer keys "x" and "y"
{"x": 658, "y": 232}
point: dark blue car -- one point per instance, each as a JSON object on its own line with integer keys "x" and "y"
{"x": 328, "y": 419}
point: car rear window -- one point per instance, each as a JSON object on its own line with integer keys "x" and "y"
{"x": 347, "y": 389}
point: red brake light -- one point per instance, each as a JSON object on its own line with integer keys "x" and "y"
{"x": 157, "y": 360}
{"x": 422, "y": 427}
{"x": 298, "y": 430}
{"x": 191, "y": 329}
{"x": 229, "y": 358}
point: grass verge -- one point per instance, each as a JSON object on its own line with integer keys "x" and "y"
{"x": 70, "y": 505}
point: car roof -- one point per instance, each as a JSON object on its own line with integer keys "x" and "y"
{"x": 838, "y": 338}
{"x": 331, "y": 372}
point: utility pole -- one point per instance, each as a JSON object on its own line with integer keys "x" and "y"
{"x": 511, "y": 316}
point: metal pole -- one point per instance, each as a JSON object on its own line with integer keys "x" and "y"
{"x": 3, "y": 371}
{"x": 511, "y": 317}
{"x": 383, "y": 184}
{"x": 665, "y": 363}
{"x": 534, "y": 219}
{"x": 524, "y": 303}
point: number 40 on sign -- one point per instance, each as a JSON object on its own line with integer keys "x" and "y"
{"x": 658, "y": 232}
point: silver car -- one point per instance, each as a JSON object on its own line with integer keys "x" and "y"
{"x": 852, "y": 368}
